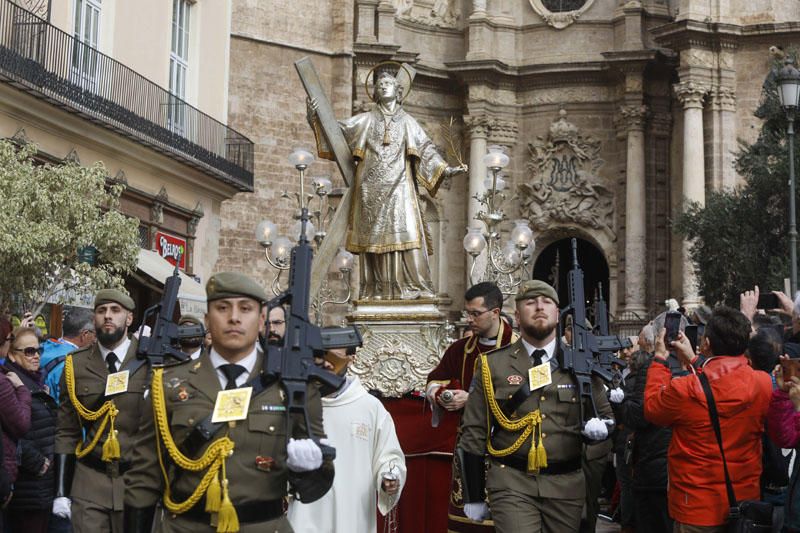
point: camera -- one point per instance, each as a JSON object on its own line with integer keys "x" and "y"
{"x": 447, "y": 396}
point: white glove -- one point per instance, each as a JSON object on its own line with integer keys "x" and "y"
{"x": 596, "y": 429}
{"x": 476, "y": 511}
{"x": 62, "y": 507}
{"x": 616, "y": 395}
{"x": 304, "y": 455}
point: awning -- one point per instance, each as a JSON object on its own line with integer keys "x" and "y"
{"x": 191, "y": 294}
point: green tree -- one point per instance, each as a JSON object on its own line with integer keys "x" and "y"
{"x": 740, "y": 236}
{"x": 50, "y": 212}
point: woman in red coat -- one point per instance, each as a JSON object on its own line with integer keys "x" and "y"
{"x": 697, "y": 494}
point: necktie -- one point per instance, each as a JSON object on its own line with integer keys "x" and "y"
{"x": 231, "y": 373}
{"x": 111, "y": 361}
{"x": 537, "y": 357}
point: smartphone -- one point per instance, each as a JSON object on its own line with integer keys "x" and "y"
{"x": 672, "y": 323}
{"x": 691, "y": 332}
{"x": 767, "y": 300}
{"x": 790, "y": 367}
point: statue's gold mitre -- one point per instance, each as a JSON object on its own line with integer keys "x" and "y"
{"x": 402, "y": 72}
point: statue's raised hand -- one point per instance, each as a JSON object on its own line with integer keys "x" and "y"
{"x": 454, "y": 171}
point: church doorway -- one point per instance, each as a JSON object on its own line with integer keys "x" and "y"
{"x": 555, "y": 262}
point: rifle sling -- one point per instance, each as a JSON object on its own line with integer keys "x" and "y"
{"x": 521, "y": 394}
{"x": 205, "y": 430}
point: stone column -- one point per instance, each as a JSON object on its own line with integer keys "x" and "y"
{"x": 635, "y": 221}
{"x": 691, "y": 95}
{"x": 366, "y": 21}
{"x": 386, "y": 22}
{"x": 478, "y": 130}
{"x": 723, "y": 110}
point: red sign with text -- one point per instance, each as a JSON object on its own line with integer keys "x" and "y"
{"x": 170, "y": 248}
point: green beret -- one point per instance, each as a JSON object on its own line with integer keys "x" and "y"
{"x": 533, "y": 288}
{"x": 107, "y": 296}
{"x": 190, "y": 318}
{"x": 233, "y": 285}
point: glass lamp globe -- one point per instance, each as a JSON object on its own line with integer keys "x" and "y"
{"x": 788, "y": 81}
{"x": 301, "y": 158}
{"x": 322, "y": 186}
{"x": 310, "y": 230}
{"x": 266, "y": 232}
{"x": 496, "y": 158}
{"x": 511, "y": 255}
{"x": 474, "y": 242}
{"x": 282, "y": 247}
{"x": 500, "y": 183}
{"x": 521, "y": 235}
{"x": 343, "y": 260}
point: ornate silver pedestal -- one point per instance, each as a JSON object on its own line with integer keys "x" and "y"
{"x": 403, "y": 341}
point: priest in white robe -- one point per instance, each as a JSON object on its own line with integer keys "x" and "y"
{"x": 370, "y": 466}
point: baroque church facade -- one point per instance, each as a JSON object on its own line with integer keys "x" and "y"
{"x": 613, "y": 114}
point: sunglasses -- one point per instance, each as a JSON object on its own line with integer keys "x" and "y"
{"x": 31, "y": 351}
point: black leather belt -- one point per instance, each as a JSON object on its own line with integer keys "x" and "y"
{"x": 552, "y": 469}
{"x": 248, "y": 513}
{"x": 112, "y": 469}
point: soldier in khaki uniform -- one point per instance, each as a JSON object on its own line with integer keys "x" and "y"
{"x": 95, "y": 428}
{"x": 232, "y": 476}
{"x": 533, "y": 433}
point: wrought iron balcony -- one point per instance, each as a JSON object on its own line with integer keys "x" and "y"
{"x": 43, "y": 60}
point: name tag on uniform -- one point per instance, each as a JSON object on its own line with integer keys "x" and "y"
{"x": 539, "y": 376}
{"x": 231, "y": 405}
{"x": 117, "y": 383}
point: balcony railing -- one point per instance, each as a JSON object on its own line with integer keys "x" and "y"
{"x": 49, "y": 63}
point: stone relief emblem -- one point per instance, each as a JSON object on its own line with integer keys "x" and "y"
{"x": 560, "y": 13}
{"x": 564, "y": 186}
{"x": 441, "y": 13}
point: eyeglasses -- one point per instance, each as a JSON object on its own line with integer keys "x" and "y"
{"x": 474, "y": 314}
{"x": 31, "y": 351}
{"x": 276, "y": 322}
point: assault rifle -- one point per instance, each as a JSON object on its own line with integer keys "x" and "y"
{"x": 165, "y": 333}
{"x": 583, "y": 357}
{"x": 292, "y": 362}
{"x": 606, "y": 357}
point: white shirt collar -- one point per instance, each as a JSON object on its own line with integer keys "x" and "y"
{"x": 120, "y": 351}
{"x": 196, "y": 354}
{"x": 248, "y": 363}
{"x": 550, "y": 349}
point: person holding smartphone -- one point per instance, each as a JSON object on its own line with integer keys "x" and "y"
{"x": 742, "y": 396}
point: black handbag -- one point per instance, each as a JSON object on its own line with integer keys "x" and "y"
{"x": 749, "y": 516}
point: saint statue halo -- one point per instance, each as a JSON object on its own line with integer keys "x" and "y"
{"x": 398, "y": 70}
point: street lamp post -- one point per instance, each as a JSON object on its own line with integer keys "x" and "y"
{"x": 788, "y": 81}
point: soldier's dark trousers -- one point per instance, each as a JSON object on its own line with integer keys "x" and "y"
{"x": 514, "y": 512}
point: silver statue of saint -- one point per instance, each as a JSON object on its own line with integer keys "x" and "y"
{"x": 385, "y": 224}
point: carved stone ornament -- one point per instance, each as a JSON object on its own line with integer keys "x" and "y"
{"x": 560, "y": 13}
{"x": 564, "y": 186}
{"x": 397, "y": 358}
{"x": 436, "y": 13}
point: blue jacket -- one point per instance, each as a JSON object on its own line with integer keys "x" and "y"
{"x": 54, "y": 351}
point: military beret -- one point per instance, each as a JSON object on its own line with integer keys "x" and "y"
{"x": 233, "y": 285}
{"x": 190, "y": 318}
{"x": 107, "y": 296}
{"x": 533, "y": 288}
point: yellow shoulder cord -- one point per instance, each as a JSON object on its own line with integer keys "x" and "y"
{"x": 108, "y": 411}
{"x": 537, "y": 456}
{"x": 212, "y": 459}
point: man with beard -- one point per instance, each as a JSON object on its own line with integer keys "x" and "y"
{"x": 237, "y": 471}
{"x": 532, "y": 406}
{"x": 482, "y": 305}
{"x": 276, "y": 325}
{"x": 102, "y": 404}
{"x": 367, "y": 449}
